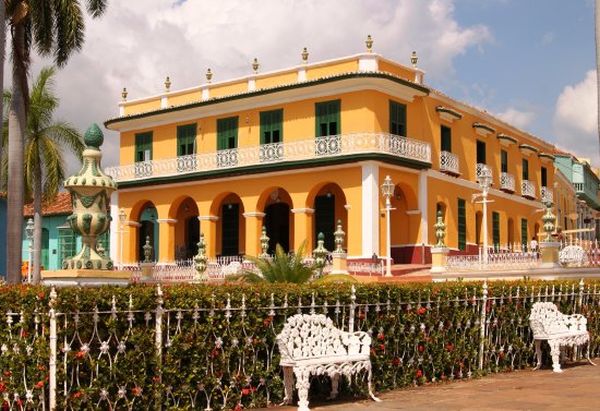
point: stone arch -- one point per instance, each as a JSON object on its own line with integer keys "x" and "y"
{"x": 145, "y": 214}
{"x": 277, "y": 204}
{"x": 187, "y": 227}
{"x": 328, "y": 201}
{"x": 230, "y": 238}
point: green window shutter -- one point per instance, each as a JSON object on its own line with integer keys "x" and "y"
{"x": 227, "y": 133}
{"x": 186, "y": 139}
{"x": 503, "y": 161}
{"x": 397, "y": 118}
{"x": 271, "y": 130}
{"x": 446, "y": 133}
{"x": 462, "y": 225}
{"x": 481, "y": 152}
{"x": 525, "y": 169}
{"x": 327, "y": 115}
{"x": 496, "y": 228}
{"x": 524, "y": 235}
{"x": 66, "y": 244}
{"x": 143, "y": 146}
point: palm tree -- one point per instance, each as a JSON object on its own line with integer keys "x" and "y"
{"x": 282, "y": 268}
{"x": 597, "y": 27}
{"x": 44, "y": 161}
{"x": 53, "y": 27}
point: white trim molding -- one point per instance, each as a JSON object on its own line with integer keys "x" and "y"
{"x": 208, "y": 218}
{"x": 413, "y": 212}
{"x": 304, "y": 210}
{"x": 166, "y": 220}
{"x": 132, "y": 223}
{"x": 255, "y": 214}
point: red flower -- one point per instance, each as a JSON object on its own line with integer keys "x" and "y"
{"x": 449, "y": 347}
{"x": 361, "y": 316}
{"x": 267, "y": 321}
{"x": 39, "y": 384}
{"x": 41, "y": 295}
{"x": 214, "y": 353}
{"x": 421, "y": 310}
{"x": 419, "y": 374}
{"x": 382, "y": 347}
{"x": 24, "y": 334}
{"x": 41, "y": 367}
{"x": 156, "y": 379}
{"x": 396, "y": 361}
{"x": 238, "y": 407}
{"x": 80, "y": 355}
{"x": 7, "y": 373}
{"x": 380, "y": 337}
{"x": 2, "y": 387}
{"x": 246, "y": 391}
{"x": 501, "y": 355}
{"x": 77, "y": 394}
{"x": 136, "y": 391}
{"x": 421, "y": 348}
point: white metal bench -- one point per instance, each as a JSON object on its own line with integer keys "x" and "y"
{"x": 572, "y": 256}
{"x": 311, "y": 345}
{"x": 560, "y": 330}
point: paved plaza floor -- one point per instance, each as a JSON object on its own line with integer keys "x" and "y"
{"x": 577, "y": 388}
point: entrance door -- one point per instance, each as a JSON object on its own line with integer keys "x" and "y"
{"x": 192, "y": 236}
{"x": 325, "y": 219}
{"x": 230, "y": 225}
{"x": 277, "y": 223}
{"x": 146, "y": 230}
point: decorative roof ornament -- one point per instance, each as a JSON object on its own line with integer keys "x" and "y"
{"x": 255, "y": 65}
{"x": 369, "y": 43}
{"x": 209, "y": 75}
{"x": 124, "y": 94}
{"x": 305, "y": 55}
{"x": 414, "y": 59}
{"x": 167, "y": 84}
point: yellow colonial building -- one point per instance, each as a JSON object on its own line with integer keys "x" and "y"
{"x": 295, "y": 150}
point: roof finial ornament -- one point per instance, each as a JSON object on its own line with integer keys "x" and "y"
{"x": 167, "y": 84}
{"x": 255, "y": 65}
{"x": 369, "y": 43}
{"x": 209, "y": 75}
{"x": 304, "y": 55}
{"x": 414, "y": 59}
{"x": 124, "y": 94}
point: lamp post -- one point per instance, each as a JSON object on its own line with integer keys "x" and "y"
{"x": 484, "y": 179}
{"x": 122, "y": 217}
{"x": 29, "y": 233}
{"x": 387, "y": 189}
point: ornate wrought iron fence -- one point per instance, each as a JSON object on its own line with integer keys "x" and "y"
{"x": 499, "y": 258}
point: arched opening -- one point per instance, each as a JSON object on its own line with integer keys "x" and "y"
{"x": 187, "y": 229}
{"x": 511, "y": 232}
{"x": 404, "y": 247}
{"x": 148, "y": 229}
{"x": 278, "y": 219}
{"x": 478, "y": 225}
{"x": 329, "y": 205}
{"x": 231, "y": 227}
{"x": 440, "y": 207}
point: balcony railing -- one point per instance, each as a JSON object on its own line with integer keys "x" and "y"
{"x": 547, "y": 195}
{"x": 507, "y": 182}
{"x": 319, "y": 147}
{"x": 449, "y": 162}
{"x": 527, "y": 189}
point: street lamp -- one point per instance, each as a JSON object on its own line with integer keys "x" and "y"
{"x": 387, "y": 189}
{"x": 122, "y": 217}
{"x": 484, "y": 178}
{"x": 29, "y": 233}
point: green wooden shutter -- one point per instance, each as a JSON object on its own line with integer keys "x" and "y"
{"x": 327, "y": 118}
{"x": 227, "y": 133}
{"x": 446, "y": 133}
{"x": 397, "y": 118}
{"x": 66, "y": 244}
{"x": 524, "y": 235}
{"x": 271, "y": 130}
{"x": 186, "y": 137}
{"x": 143, "y": 146}
{"x": 462, "y": 225}
{"x": 496, "y": 228}
{"x": 525, "y": 169}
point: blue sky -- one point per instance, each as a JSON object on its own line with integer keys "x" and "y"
{"x": 530, "y": 62}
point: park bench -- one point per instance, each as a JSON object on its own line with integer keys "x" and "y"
{"x": 559, "y": 330}
{"x": 310, "y": 344}
{"x": 572, "y": 256}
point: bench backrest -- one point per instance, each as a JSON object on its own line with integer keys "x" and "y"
{"x": 545, "y": 319}
{"x": 314, "y": 335}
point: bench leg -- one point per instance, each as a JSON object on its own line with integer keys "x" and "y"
{"x": 587, "y": 353}
{"x": 335, "y": 383}
{"x": 288, "y": 381}
{"x": 302, "y": 385}
{"x": 369, "y": 385}
{"x": 538, "y": 354}
{"x": 555, "y": 353}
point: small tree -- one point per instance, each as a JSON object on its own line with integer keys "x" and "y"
{"x": 282, "y": 268}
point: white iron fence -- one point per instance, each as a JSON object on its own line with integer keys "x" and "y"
{"x": 508, "y": 257}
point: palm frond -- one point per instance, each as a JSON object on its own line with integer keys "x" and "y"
{"x": 41, "y": 14}
{"x": 66, "y": 135}
{"x": 69, "y": 29}
{"x": 96, "y": 7}
{"x": 282, "y": 268}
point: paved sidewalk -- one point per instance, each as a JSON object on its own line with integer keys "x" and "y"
{"x": 577, "y": 388}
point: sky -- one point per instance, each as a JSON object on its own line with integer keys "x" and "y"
{"x": 530, "y": 62}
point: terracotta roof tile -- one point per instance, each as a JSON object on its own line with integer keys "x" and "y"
{"x": 59, "y": 206}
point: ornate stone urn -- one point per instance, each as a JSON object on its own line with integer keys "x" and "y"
{"x": 90, "y": 192}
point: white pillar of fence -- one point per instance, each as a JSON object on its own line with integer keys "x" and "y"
{"x": 352, "y": 309}
{"x": 158, "y": 329}
{"x": 52, "y": 359}
{"x": 482, "y": 325}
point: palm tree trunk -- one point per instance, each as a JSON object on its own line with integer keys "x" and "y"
{"x": 597, "y": 27}
{"x": 16, "y": 133}
{"x": 2, "y": 48}
{"x": 37, "y": 224}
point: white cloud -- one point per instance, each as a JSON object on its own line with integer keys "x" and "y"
{"x": 518, "y": 118}
{"x": 575, "y": 118}
{"x": 138, "y": 42}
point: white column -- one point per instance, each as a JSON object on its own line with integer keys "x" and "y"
{"x": 114, "y": 229}
{"x": 164, "y": 101}
{"x": 252, "y": 83}
{"x": 301, "y": 74}
{"x": 423, "y": 207}
{"x": 370, "y": 209}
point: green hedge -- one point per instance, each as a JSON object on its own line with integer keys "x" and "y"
{"x": 219, "y": 341}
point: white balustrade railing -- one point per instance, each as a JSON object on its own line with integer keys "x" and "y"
{"x": 319, "y": 147}
{"x": 547, "y": 195}
{"x": 363, "y": 268}
{"x": 508, "y": 257}
{"x": 507, "y": 182}
{"x": 449, "y": 162}
{"x": 527, "y": 189}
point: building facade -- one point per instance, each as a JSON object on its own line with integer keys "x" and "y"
{"x": 296, "y": 150}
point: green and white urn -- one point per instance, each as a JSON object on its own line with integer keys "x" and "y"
{"x": 90, "y": 192}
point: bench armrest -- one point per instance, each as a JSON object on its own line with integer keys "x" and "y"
{"x": 358, "y": 342}
{"x": 576, "y": 322}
